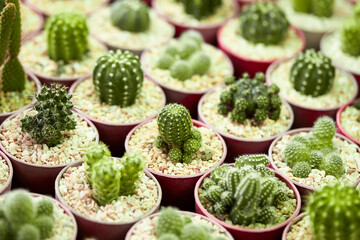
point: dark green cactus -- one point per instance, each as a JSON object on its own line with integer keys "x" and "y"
{"x": 45, "y": 207}
{"x": 312, "y": 73}
{"x": 320, "y": 8}
{"x": 118, "y": 78}
{"x": 201, "y": 9}
{"x": 350, "y": 36}
{"x": 264, "y": 23}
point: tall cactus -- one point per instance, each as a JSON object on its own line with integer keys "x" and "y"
{"x": 201, "y": 9}
{"x": 133, "y": 164}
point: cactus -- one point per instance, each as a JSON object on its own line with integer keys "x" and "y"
{"x": 301, "y": 169}
{"x": 28, "y": 232}
{"x": 168, "y": 236}
{"x": 324, "y": 128}
{"x": 133, "y": 164}
{"x": 118, "y": 78}
{"x": 333, "y": 165}
{"x": 252, "y": 160}
{"x": 303, "y": 6}
{"x": 350, "y": 36}
{"x": 169, "y": 221}
{"x": 193, "y": 35}
{"x": 95, "y": 153}
{"x": 130, "y": 15}
{"x": 264, "y": 23}
{"x": 193, "y": 231}
{"x": 296, "y": 152}
{"x": 45, "y": 224}
{"x": 45, "y": 207}
{"x": 165, "y": 61}
{"x": 320, "y": 8}
{"x": 181, "y": 70}
{"x": 200, "y": 63}
{"x": 201, "y": 9}
{"x": 312, "y": 73}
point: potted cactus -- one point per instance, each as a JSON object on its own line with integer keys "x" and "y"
{"x": 113, "y": 104}
{"x": 312, "y": 85}
{"x": 253, "y": 49}
{"x": 6, "y": 173}
{"x": 312, "y": 158}
{"x": 247, "y": 113}
{"x": 205, "y": 16}
{"x": 40, "y": 141}
{"x": 348, "y": 121}
{"x": 35, "y": 217}
{"x": 186, "y": 68}
{"x": 175, "y": 225}
{"x": 130, "y": 25}
{"x": 32, "y": 21}
{"x": 108, "y": 195}
{"x": 250, "y": 200}
{"x": 332, "y": 213}
{"x": 63, "y": 52}
{"x": 178, "y": 151}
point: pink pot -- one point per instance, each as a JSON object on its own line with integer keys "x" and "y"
{"x": 178, "y": 190}
{"x": 113, "y": 134}
{"x": 40, "y": 27}
{"x": 286, "y": 230}
{"x": 340, "y": 128}
{"x": 306, "y": 116}
{"x": 271, "y": 233}
{"x": 189, "y": 214}
{"x": 208, "y": 31}
{"x": 33, "y": 78}
{"x": 90, "y": 227}
{"x": 244, "y": 64}
{"x": 239, "y": 145}
{"x": 303, "y": 189}
{"x": 7, "y": 186}
{"x": 37, "y": 178}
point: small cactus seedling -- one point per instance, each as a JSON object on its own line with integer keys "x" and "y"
{"x": 350, "y": 36}
{"x": 201, "y": 9}
{"x": 319, "y": 8}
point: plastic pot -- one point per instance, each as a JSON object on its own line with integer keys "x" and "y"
{"x": 340, "y": 128}
{"x": 244, "y": 64}
{"x": 179, "y": 190}
{"x": 113, "y": 134}
{"x": 303, "y": 189}
{"x": 271, "y": 233}
{"x": 238, "y": 145}
{"x": 40, "y": 27}
{"x": 90, "y": 227}
{"x": 286, "y": 230}
{"x": 33, "y": 78}
{"x": 306, "y": 116}
{"x": 7, "y": 186}
{"x": 37, "y": 178}
{"x": 190, "y": 214}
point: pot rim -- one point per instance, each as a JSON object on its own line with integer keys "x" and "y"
{"x": 11, "y": 172}
{"x": 287, "y": 228}
{"x": 195, "y": 122}
{"x": 339, "y": 125}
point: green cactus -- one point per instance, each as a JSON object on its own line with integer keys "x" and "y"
{"x": 320, "y": 8}
{"x": 252, "y": 160}
{"x": 194, "y": 231}
{"x": 333, "y": 165}
{"x": 169, "y": 221}
{"x": 193, "y": 35}
{"x": 169, "y": 236}
{"x": 233, "y": 179}
{"x": 201, "y": 9}
{"x": 247, "y": 191}
{"x": 324, "y": 128}
{"x": 296, "y": 152}
{"x": 130, "y": 15}
{"x": 264, "y": 23}
{"x": 4, "y": 229}
{"x": 133, "y": 164}
{"x": 45, "y": 224}
{"x": 95, "y": 153}
{"x": 28, "y": 232}
{"x": 187, "y": 47}
{"x": 165, "y": 61}
{"x": 312, "y": 73}
{"x": 207, "y": 155}
{"x": 200, "y": 63}
{"x": 45, "y": 207}
{"x": 350, "y": 36}
{"x": 315, "y": 158}
{"x": 303, "y": 6}
{"x": 181, "y": 70}
{"x": 301, "y": 169}
{"x": 357, "y": 11}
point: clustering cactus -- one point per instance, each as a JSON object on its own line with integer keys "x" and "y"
{"x": 130, "y": 15}
{"x": 334, "y": 213}
{"x": 23, "y": 218}
{"x": 201, "y": 9}
{"x": 67, "y": 36}
{"x": 320, "y": 8}
{"x": 350, "y": 34}
{"x": 264, "y": 23}
{"x": 312, "y": 73}
{"x": 118, "y": 78}
{"x": 249, "y": 98}
{"x": 53, "y": 117}
{"x": 110, "y": 178}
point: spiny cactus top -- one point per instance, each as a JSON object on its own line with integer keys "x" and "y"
{"x": 118, "y": 78}
{"x": 312, "y": 73}
{"x": 350, "y": 36}
{"x": 130, "y": 15}
{"x": 264, "y": 23}
{"x": 201, "y": 9}
{"x": 67, "y": 36}
{"x": 320, "y": 8}
{"x": 249, "y": 98}
{"x": 53, "y": 117}
{"x": 23, "y": 218}
{"x": 334, "y": 213}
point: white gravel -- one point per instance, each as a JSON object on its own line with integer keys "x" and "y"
{"x": 30, "y": 21}
{"x": 4, "y": 172}
{"x": 350, "y": 121}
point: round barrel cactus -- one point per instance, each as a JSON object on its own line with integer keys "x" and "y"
{"x": 201, "y": 9}
{"x": 350, "y": 36}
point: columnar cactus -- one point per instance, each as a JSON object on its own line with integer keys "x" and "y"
{"x": 118, "y": 78}
{"x": 67, "y": 36}
{"x": 201, "y": 9}
{"x": 350, "y": 36}
{"x": 130, "y": 15}
{"x": 264, "y": 23}
{"x": 132, "y": 165}
{"x": 312, "y": 73}
{"x": 320, "y": 8}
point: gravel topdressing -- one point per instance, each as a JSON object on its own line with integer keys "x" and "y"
{"x": 20, "y": 144}
{"x": 157, "y": 159}
{"x": 53, "y": 6}
{"x": 75, "y": 191}
{"x": 317, "y": 178}
{"x": 301, "y": 230}
{"x": 342, "y": 91}
{"x": 148, "y": 104}
{"x": 231, "y": 38}
{"x": 4, "y": 172}
{"x": 350, "y": 121}
{"x": 30, "y": 21}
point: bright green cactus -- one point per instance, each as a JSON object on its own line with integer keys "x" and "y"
{"x": 252, "y": 160}
{"x": 193, "y": 231}
{"x": 296, "y": 152}
{"x": 169, "y": 221}
{"x": 333, "y": 165}
{"x": 350, "y": 36}
{"x": 200, "y": 63}
{"x": 95, "y": 153}
{"x": 301, "y": 169}
{"x": 28, "y": 232}
{"x": 45, "y": 224}
{"x": 303, "y": 6}
{"x": 320, "y": 8}
{"x": 181, "y": 70}
{"x": 45, "y": 207}
{"x": 315, "y": 158}
{"x": 357, "y": 11}
{"x": 165, "y": 61}
{"x": 186, "y": 47}
{"x": 201, "y": 9}
{"x": 324, "y": 128}
{"x": 133, "y": 164}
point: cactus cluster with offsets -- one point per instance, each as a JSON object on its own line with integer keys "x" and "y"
{"x": 249, "y": 98}
{"x": 185, "y": 57}
{"x": 350, "y": 34}
{"x": 264, "y": 23}
{"x": 118, "y": 78}
{"x": 248, "y": 193}
{"x": 23, "y": 217}
{"x": 201, "y": 9}
{"x": 319, "y": 8}
{"x": 53, "y": 116}
{"x": 110, "y": 178}
{"x": 315, "y": 151}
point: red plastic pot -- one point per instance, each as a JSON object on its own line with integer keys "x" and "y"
{"x": 178, "y": 190}
{"x": 303, "y": 189}
{"x": 306, "y": 116}
{"x": 244, "y": 64}
{"x": 286, "y": 230}
{"x": 190, "y": 214}
{"x": 113, "y": 134}
{"x": 90, "y": 227}
{"x": 7, "y": 186}
{"x": 340, "y": 128}
{"x": 37, "y": 178}
{"x": 271, "y": 233}
{"x": 40, "y": 27}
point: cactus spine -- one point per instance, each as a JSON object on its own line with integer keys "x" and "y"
{"x": 201, "y": 9}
